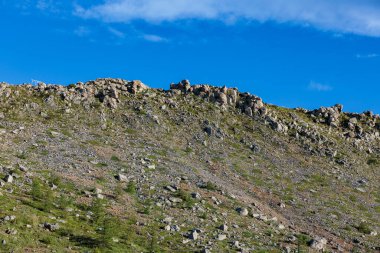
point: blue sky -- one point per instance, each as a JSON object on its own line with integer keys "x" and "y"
{"x": 293, "y": 53}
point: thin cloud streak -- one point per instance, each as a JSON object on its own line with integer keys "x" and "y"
{"x": 116, "y": 32}
{"x": 153, "y": 38}
{"x": 82, "y": 31}
{"x": 319, "y": 87}
{"x": 367, "y": 56}
{"x": 349, "y": 16}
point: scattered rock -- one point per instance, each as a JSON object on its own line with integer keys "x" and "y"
{"x": 223, "y": 227}
{"x": 122, "y": 178}
{"x": 243, "y": 211}
{"x": 8, "y": 178}
{"x": 50, "y": 227}
{"x": 222, "y": 237}
{"x": 193, "y": 235}
{"x": 318, "y": 243}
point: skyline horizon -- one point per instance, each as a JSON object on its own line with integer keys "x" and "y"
{"x": 293, "y": 54}
{"x": 167, "y": 88}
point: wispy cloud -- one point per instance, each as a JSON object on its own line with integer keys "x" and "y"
{"x": 44, "y": 4}
{"x": 82, "y": 31}
{"x": 319, "y": 86}
{"x": 153, "y": 38}
{"x": 348, "y": 16}
{"x": 116, "y": 32}
{"x": 367, "y": 56}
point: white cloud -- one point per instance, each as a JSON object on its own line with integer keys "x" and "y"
{"x": 319, "y": 87}
{"x": 341, "y": 16}
{"x": 116, "y": 32}
{"x": 367, "y": 56}
{"x": 50, "y": 6}
{"x": 153, "y": 38}
{"x": 43, "y": 4}
{"x": 82, "y": 31}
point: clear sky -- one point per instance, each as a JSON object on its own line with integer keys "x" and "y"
{"x": 293, "y": 53}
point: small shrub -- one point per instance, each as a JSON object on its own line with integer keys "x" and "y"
{"x": 115, "y": 158}
{"x": 131, "y": 188}
{"x": 42, "y": 195}
{"x": 210, "y": 186}
{"x": 372, "y": 161}
{"x": 303, "y": 239}
{"x": 363, "y": 228}
{"x": 188, "y": 201}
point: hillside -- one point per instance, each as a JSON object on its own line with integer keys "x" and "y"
{"x": 115, "y": 166}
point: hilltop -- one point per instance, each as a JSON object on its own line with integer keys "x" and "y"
{"x": 112, "y": 165}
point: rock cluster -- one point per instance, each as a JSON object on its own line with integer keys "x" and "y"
{"x": 249, "y": 104}
{"x": 329, "y": 115}
{"x": 107, "y": 90}
{"x": 362, "y": 129}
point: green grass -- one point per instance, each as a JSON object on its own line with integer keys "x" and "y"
{"x": 363, "y": 228}
{"x": 131, "y": 188}
{"x": 115, "y": 158}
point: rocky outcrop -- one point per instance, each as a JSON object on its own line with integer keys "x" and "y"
{"x": 249, "y": 104}
{"x": 329, "y": 115}
{"x": 361, "y": 129}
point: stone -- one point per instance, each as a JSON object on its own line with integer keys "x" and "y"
{"x": 359, "y": 189}
{"x": 122, "y": 178}
{"x": 193, "y": 235}
{"x": 23, "y": 168}
{"x": 50, "y": 227}
{"x": 318, "y": 244}
{"x": 9, "y": 218}
{"x": 175, "y": 200}
{"x": 11, "y": 232}
{"x": 8, "y": 178}
{"x": 243, "y": 211}
{"x": 196, "y": 195}
{"x": 170, "y": 188}
{"x": 223, "y": 227}
{"x": 353, "y": 121}
{"x": 222, "y": 237}
{"x": 98, "y": 191}
{"x": 175, "y": 228}
{"x": 151, "y": 166}
{"x": 222, "y": 98}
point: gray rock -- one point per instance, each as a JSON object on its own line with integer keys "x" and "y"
{"x": 8, "y": 178}
{"x": 223, "y": 227}
{"x": 50, "y": 227}
{"x": 122, "y": 178}
{"x": 196, "y": 195}
{"x": 243, "y": 211}
{"x": 221, "y": 237}
{"x": 318, "y": 243}
{"x": 193, "y": 235}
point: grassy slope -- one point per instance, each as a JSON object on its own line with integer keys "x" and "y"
{"x": 320, "y": 195}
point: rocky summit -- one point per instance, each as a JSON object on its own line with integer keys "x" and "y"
{"x": 115, "y": 166}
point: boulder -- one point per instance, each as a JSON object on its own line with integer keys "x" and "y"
{"x": 318, "y": 244}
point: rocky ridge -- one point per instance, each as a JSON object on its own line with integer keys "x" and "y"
{"x": 359, "y": 129}
{"x": 229, "y": 207}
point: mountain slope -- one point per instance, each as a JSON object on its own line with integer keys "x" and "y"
{"x": 114, "y": 166}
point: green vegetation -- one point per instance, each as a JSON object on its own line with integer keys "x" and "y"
{"x": 364, "y": 228}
